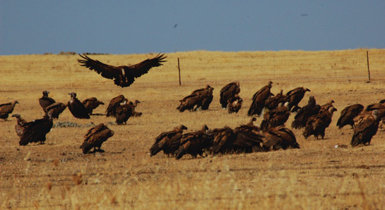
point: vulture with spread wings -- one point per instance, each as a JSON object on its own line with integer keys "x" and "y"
{"x": 123, "y": 76}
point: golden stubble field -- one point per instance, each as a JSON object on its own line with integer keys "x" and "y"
{"x": 58, "y": 175}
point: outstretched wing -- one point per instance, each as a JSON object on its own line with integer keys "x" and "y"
{"x": 107, "y": 71}
{"x": 143, "y": 67}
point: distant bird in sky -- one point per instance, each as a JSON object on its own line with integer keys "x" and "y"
{"x": 175, "y": 25}
{"x": 123, "y": 76}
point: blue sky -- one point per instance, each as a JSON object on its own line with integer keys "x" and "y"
{"x": 140, "y": 26}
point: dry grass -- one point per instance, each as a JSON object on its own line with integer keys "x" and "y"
{"x": 58, "y": 175}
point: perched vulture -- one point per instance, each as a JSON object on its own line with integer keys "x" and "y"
{"x": 259, "y": 99}
{"x": 273, "y": 101}
{"x": 305, "y": 113}
{"x": 229, "y": 92}
{"x": 317, "y": 124}
{"x": 234, "y": 104}
{"x": 168, "y": 141}
{"x": 45, "y": 100}
{"x": 125, "y": 111}
{"x": 279, "y": 138}
{"x": 6, "y": 109}
{"x": 366, "y": 126}
{"x": 275, "y": 117}
{"x": 194, "y": 143}
{"x": 223, "y": 140}
{"x": 55, "y": 109}
{"x": 348, "y": 114}
{"x": 295, "y": 96}
{"x": 20, "y": 123}
{"x": 77, "y": 108}
{"x": 123, "y": 76}
{"x": 34, "y": 131}
{"x": 91, "y": 103}
{"x": 115, "y": 102}
{"x": 200, "y": 98}
{"x": 95, "y": 138}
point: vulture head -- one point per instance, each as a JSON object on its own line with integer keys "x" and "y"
{"x": 72, "y": 94}
{"x": 45, "y": 93}
{"x": 307, "y": 89}
{"x": 16, "y": 115}
{"x": 270, "y": 84}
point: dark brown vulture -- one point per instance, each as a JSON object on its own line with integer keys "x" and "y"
{"x": 124, "y": 111}
{"x": 275, "y": 117}
{"x": 115, "y": 102}
{"x": 259, "y": 99}
{"x": 375, "y": 106}
{"x": 6, "y": 109}
{"x": 273, "y": 101}
{"x": 348, "y": 114}
{"x": 327, "y": 105}
{"x": 305, "y": 113}
{"x": 34, "y": 131}
{"x": 200, "y": 98}
{"x": 279, "y": 138}
{"x": 95, "y": 138}
{"x": 123, "y": 76}
{"x": 168, "y": 141}
{"x": 248, "y": 138}
{"x": 366, "y": 126}
{"x": 223, "y": 140}
{"x": 317, "y": 124}
{"x": 45, "y": 100}
{"x": 91, "y": 103}
{"x": 229, "y": 92}
{"x": 295, "y": 96}
{"x": 55, "y": 109}
{"x": 77, "y": 108}
{"x": 194, "y": 143}
{"x": 234, "y": 104}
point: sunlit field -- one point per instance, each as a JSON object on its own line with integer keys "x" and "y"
{"x": 318, "y": 175}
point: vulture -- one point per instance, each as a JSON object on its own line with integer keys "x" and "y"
{"x": 366, "y": 126}
{"x": 77, "y": 108}
{"x": 279, "y": 138}
{"x": 55, "y": 109}
{"x": 168, "y": 141}
{"x": 229, "y": 92}
{"x": 234, "y": 104}
{"x": 259, "y": 99}
{"x": 6, "y": 109}
{"x": 274, "y": 101}
{"x": 20, "y": 123}
{"x": 305, "y": 113}
{"x": 223, "y": 140}
{"x": 194, "y": 143}
{"x": 123, "y": 76}
{"x": 124, "y": 111}
{"x": 248, "y": 138}
{"x": 317, "y": 124}
{"x": 115, "y": 102}
{"x": 95, "y": 137}
{"x": 275, "y": 117}
{"x": 91, "y": 103}
{"x": 45, "y": 100}
{"x": 348, "y": 114}
{"x": 327, "y": 105}
{"x": 34, "y": 131}
{"x": 375, "y": 106}
{"x": 200, "y": 98}
{"x": 295, "y": 96}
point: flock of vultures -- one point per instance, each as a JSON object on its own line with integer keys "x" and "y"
{"x": 271, "y": 134}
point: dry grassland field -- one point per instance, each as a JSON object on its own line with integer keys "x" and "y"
{"x": 317, "y": 176}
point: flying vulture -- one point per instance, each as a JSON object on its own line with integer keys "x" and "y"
{"x": 123, "y": 76}
{"x": 95, "y": 138}
{"x": 6, "y": 109}
{"x": 228, "y": 92}
{"x": 168, "y": 141}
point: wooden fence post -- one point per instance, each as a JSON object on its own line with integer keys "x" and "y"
{"x": 180, "y": 82}
{"x": 367, "y": 62}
